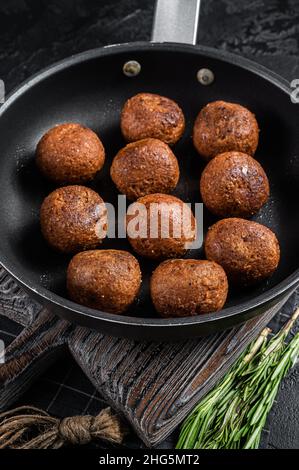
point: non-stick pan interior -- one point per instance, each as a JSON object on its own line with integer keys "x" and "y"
{"x": 92, "y": 91}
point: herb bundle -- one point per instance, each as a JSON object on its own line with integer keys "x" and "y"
{"x": 233, "y": 414}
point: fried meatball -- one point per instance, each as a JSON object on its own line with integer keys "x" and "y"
{"x": 160, "y": 226}
{"x": 222, "y": 127}
{"x": 149, "y": 115}
{"x": 145, "y": 167}
{"x": 107, "y": 280}
{"x": 234, "y": 184}
{"x": 70, "y": 153}
{"x": 73, "y": 218}
{"x": 248, "y": 252}
{"x": 182, "y": 288}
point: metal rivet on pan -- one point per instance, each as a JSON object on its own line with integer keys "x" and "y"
{"x": 131, "y": 68}
{"x": 205, "y": 76}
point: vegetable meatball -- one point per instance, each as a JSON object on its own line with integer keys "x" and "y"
{"x": 73, "y": 218}
{"x": 248, "y": 252}
{"x": 149, "y": 115}
{"x": 107, "y": 280}
{"x": 160, "y": 226}
{"x": 181, "y": 288}
{"x": 70, "y": 153}
{"x": 222, "y": 127}
{"x": 234, "y": 184}
{"x": 145, "y": 167}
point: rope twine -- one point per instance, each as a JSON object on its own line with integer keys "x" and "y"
{"x": 31, "y": 428}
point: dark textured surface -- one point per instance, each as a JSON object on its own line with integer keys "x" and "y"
{"x": 35, "y": 33}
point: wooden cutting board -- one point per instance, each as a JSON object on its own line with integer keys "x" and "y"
{"x": 154, "y": 385}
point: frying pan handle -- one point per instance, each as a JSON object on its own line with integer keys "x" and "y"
{"x": 176, "y": 21}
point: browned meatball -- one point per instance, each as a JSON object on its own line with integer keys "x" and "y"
{"x": 73, "y": 218}
{"x": 164, "y": 226}
{"x": 145, "y": 167}
{"x": 149, "y": 115}
{"x": 181, "y": 288}
{"x": 234, "y": 184}
{"x": 249, "y": 252}
{"x": 222, "y": 127}
{"x": 70, "y": 153}
{"x": 108, "y": 280}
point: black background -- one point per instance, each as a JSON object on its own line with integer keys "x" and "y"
{"x": 36, "y": 33}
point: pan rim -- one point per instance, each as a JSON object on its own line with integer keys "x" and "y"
{"x": 74, "y": 308}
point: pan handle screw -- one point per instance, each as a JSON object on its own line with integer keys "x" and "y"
{"x": 131, "y": 68}
{"x": 205, "y": 77}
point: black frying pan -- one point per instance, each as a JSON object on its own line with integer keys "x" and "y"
{"x": 91, "y": 88}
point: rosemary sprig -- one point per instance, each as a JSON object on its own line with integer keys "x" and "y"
{"x": 233, "y": 414}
